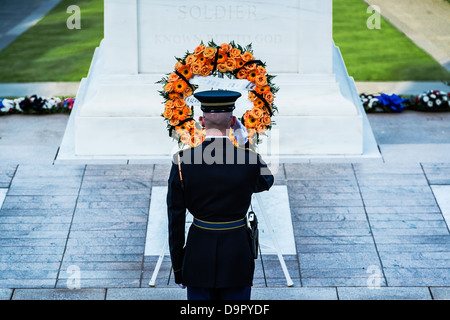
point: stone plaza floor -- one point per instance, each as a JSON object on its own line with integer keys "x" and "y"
{"x": 374, "y": 229}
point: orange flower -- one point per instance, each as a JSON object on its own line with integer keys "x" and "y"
{"x": 262, "y": 90}
{"x": 185, "y": 128}
{"x": 251, "y": 66}
{"x": 269, "y": 97}
{"x": 266, "y": 120}
{"x": 242, "y": 74}
{"x": 205, "y": 71}
{"x": 185, "y": 138}
{"x": 231, "y": 64}
{"x": 190, "y": 59}
{"x": 235, "y": 53}
{"x": 199, "y": 49}
{"x": 174, "y": 95}
{"x": 181, "y": 129}
{"x": 178, "y": 65}
{"x": 170, "y": 104}
{"x": 247, "y": 56}
{"x": 260, "y": 128}
{"x": 201, "y": 59}
{"x": 179, "y": 103}
{"x": 252, "y": 75}
{"x": 174, "y": 121}
{"x": 182, "y": 114}
{"x": 258, "y": 103}
{"x": 187, "y": 111}
{"x": 168, "y": 87}
{"x": 252, "y": 96}
{"x": 181, "y": 132}
{"x": 226, "y": 47}
{"x": 180, "y": 86}
{"x": 186, "y": 72}
{"x": 221, "y": 56}
{"x": 190, "y": 125}
{"x": 197, "y": 137}
{"x": 239, "y": 63}
{"x": 209, "y": 52}
{"x": 173, "y": 77}
{"x": 257, "y": 113}
{"x": 249, "y": 120}
{"x": 210, "y": 64}
{"x": 188, "y": 92}
{"x": 222, "y": 68}
{"x": 261, "y": 80}
{"x": 196, "y": 67}
{"x": 168, "y": 113}
{"x": 261, "y": 70}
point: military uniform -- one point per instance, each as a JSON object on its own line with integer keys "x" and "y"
{"x": 216, "y": 184}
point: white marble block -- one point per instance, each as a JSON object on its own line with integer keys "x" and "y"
{"x": 118, "y": 110}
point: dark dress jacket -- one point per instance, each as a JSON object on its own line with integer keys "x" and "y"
{"x": 218, "y": 180}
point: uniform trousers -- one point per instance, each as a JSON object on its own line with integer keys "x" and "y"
{"x": 197, "y": 293}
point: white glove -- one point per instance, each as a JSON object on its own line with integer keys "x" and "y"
{"x": 240, "y": 132}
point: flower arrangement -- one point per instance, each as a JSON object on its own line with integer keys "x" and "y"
{"x": 433, "y": 100}
{"x": 36, "y": 105}
{"x": 383, "y": 103}
{"x": 232, "y": 60}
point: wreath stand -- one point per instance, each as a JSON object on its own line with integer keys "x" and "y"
{"x": 273, "y": 237}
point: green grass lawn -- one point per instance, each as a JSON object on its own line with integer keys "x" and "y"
{"x": 51, "y": 52}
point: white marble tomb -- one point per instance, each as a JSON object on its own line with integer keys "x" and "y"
{"x": 117, "y": 114}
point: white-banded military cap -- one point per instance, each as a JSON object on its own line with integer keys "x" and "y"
{"x": 216, "y": 101}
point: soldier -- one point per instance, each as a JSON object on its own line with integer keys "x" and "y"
{"x": 215, "y": 182}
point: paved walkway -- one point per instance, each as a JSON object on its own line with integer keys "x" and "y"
{"x": 426, "y": 22}
{"x": 356, "y": 225}
{"x": 17, "y": 16}
{"x": 43, "y": 89}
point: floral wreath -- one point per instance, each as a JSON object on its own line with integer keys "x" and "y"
{"x": 231, "y": 60}
{"x": 429, "y": 101}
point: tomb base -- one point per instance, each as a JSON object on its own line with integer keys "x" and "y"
{"x": 119, "y": 117}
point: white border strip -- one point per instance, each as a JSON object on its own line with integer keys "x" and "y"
{"x": 3, "y": 192}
